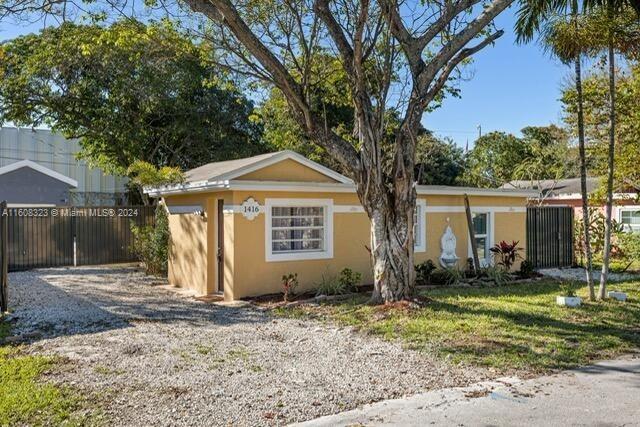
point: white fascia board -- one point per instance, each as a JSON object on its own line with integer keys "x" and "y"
{"x": 280, "y": 156}
{"x": 454, "y": 191}
{"x": 38, "y": 167}
{"x": 578, "y": 196}
{"x": 315, "y": 187}
{"x": 190, "y": 187}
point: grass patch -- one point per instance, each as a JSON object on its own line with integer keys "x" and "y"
{"x": 516, "y": 327}
{"x": 25, "y": 399}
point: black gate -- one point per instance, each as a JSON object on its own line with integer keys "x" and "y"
{"x": 64, "y": 236}
{"x": 550, "y": 236}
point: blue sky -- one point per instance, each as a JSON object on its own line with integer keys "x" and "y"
{"x": 513, "y": 86}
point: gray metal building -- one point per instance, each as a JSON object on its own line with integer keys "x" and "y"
{"x": 53, "y": 175}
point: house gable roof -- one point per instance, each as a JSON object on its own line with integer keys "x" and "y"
{"x": 39, "y": 168}
{"x": 231, "y": 169}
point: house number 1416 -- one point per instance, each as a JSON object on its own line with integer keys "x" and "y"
{"x": 250, "y": 208}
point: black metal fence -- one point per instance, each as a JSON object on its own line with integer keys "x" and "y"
{"x": 550, "y": 236}
{"x": 65, "y": 236}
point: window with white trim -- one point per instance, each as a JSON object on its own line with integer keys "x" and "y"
{"x": 630, "y": 219}
{"x": 419, "y": 243}
{"x": 482, "y": 239}
{"x": 298, "y": 229}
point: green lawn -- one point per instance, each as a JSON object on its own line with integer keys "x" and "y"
{"x": 27, "y": 400}
{"x": 516, "y": 327}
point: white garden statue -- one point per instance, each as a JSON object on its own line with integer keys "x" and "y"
{"x": 448, "y": 257}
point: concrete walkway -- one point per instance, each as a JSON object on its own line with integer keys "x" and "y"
{"x": 606, "y": 393}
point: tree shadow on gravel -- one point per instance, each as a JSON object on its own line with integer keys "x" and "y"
{"x": 56, "y": 302}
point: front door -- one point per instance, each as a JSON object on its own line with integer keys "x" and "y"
{"x": 220, "y": 252}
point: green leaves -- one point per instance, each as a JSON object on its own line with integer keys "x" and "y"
{"x": 128, "y": 91}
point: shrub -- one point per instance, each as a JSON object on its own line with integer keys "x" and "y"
{"x": 423, "y": 272}
{"x": 568, "y": 289}
{"x": 289, "y": 285}
{"x": 526, "y": 269}
{"x": 446, "y": 276}
{"x": 151, "y": 243}
{"x": 498, "y": 275}
{"x": 349, "y": 279}
{"x": 330, "y": 285}
{"x": 628, "y": 248}
{"x": 507, "y": 253}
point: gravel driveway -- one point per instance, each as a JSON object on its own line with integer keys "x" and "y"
{"x": 153, "y": 357}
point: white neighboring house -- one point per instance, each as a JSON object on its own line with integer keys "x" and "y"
{"x": 39, "y": 167}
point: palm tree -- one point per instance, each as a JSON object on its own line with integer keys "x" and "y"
{"x": 604, "y": 19}
{"x": 568, "y": 41}
{"x": 544, "y": 16}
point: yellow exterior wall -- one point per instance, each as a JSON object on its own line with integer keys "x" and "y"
{"x": 253, "y": 275}
{"x": 192, "y": 254}
{"x": 286, "y": 170}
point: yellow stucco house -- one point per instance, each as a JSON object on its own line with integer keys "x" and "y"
{"x": 238, "y": 226}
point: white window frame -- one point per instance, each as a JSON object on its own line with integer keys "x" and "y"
{"x": 488, "y": 260}
{"x": 420, "y": 243}
{"x": 326, "y": 253}
{"x": 628, "y": 228}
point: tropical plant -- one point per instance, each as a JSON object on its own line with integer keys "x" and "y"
{"x": 498, "y": 275}
{"x": 349, "y": 279}
{"x": 569, "y": 289}
{"x": 506, "y": 253}
{"x": 628, "y": 248}
{"x": 151, "y": 243}
{"x": 331, "y": 285}
{"x": 289, "y": 285}
{"x": 423, "y": 272}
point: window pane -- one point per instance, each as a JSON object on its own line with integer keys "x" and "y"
{"x": 297, "y": 222}
{"x": 480, "y": 223}
{"x": 297, "y": 229}
{"x": 483, "y": 251}
{"x": 630, "y": 217}
{"x": 308, "y": 233}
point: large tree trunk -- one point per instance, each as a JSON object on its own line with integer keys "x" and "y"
{"x": 586, "y": 238}
{"x": 602, "y": 291}
{"x": 392, "y": 254}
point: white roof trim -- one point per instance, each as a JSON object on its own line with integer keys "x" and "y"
{"x": 572, "y": 196}
{"x": 319, "y": 187}
{"x": 278, "y": 157}
{"x": 37, "y": 167}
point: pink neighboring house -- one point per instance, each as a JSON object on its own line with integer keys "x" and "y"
{"x": 566, "y": 192}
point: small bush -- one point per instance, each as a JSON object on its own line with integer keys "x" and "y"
{"x": 151, "y": 243}
{"x": 350, "y": 279}
{"x": 289, "y": 285}
{"x": 498, "y": 275}
{"x": 628, "y": 245}
{"x": 568, "y": 289}
{"x": 423, "y": 272}
{"x": 446, "y": 276}
{"x": 526, "y": 269}
{"x": 330, "y": 285}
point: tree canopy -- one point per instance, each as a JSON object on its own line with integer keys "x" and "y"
{"x": 543, "y": 152}
{"x": 595, "y": 88}
{"x": 129, "y": 92}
